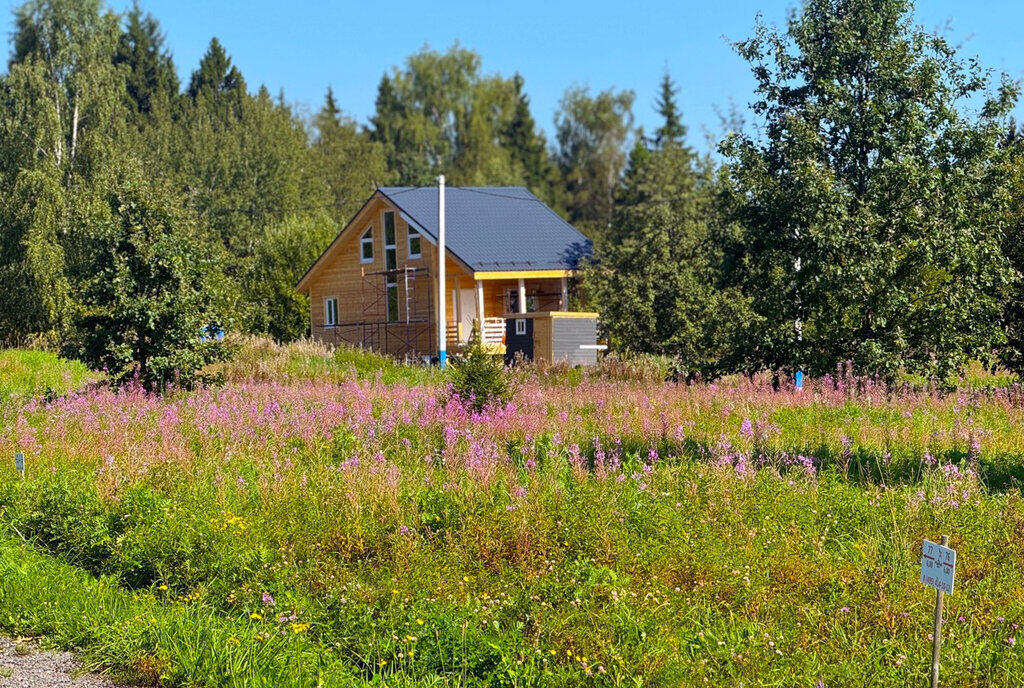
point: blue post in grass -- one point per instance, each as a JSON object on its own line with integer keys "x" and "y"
{"x": 442, "y": 316}
{"x": 799, "y": 378}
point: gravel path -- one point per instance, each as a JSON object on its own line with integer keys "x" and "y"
{"x": 24, "y": 665}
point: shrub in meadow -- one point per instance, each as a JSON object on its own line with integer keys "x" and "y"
{"x": 479, "y": 378}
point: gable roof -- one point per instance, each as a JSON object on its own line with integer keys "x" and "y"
{"x": 494, "y": 228}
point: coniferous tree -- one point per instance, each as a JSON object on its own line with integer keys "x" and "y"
{"x": 656, "y": 276}
{"x": 150, "y": 78}
{"x": 352, "y": 164}
{"x": 529, "y": 150}
{"x": 671, "y": 130}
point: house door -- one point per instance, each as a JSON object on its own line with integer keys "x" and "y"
{"x": 467, "y": 298}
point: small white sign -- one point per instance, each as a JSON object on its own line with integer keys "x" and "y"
{"x": 19, "y": 462}
{"x": 938, "y": 566}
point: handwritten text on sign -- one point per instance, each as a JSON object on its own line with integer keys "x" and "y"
{"x": 938, "y": 564}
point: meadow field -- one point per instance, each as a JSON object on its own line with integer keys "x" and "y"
{"x": 322, "y": 519}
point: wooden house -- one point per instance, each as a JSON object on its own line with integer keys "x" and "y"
{"x": 376, "y": 284}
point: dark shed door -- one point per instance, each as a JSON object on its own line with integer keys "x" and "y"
{"x": 518, "y": 338}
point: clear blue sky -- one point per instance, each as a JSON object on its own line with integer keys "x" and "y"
{"x": 302, "y": 46}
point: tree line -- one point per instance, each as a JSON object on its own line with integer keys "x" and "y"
{"x": 871, "y": 215}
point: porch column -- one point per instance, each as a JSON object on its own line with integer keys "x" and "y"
{"x": 458, "y": 310}
{"x": 565, "y": 293}
{"x": 480, "y": 305}
{"x": 522, "y": 295}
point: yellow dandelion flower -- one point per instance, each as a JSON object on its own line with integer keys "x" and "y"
{"x": 256, "y": 616}
{"x": 419, "y": 621}
{"x": 465, "y": 579}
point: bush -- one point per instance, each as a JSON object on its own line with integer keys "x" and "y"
{"x": 479, "y": 378}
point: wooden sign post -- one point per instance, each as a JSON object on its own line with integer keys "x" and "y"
{"x": 19, "y": 463}
{"x": 938, "y": 568}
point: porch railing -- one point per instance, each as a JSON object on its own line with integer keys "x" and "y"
{"x": 492, "y": 334}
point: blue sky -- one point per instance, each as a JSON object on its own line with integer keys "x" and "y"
{"x": 303, "y": 46}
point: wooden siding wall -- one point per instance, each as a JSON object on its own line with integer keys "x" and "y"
{"x": 363, "y": 299}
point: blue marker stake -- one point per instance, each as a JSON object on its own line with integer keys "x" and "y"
{"x": 799, "y": 379}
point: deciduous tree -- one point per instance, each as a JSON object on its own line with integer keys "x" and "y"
{"x": 871, "y": 204}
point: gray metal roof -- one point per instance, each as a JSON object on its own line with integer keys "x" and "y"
{"x": 494, "y": 227}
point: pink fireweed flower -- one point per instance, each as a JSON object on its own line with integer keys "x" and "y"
{"x": 746, "y": 428}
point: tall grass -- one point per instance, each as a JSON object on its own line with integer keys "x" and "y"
{"x": 350, "y": 530}
{"x": 26, "y": 373}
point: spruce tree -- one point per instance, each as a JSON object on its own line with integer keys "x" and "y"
{"x": 216, "y": 75}
{"x": 150, "y": 78}
{"x": 671, "y": 131}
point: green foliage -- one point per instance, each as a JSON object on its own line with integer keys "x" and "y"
{"x": 479, "y": 378}
{"x": 1012, "y": 354}
{"x": 672, "y": 131}
{"x": 656, "y": 277}
{"x": 149, "y": 290}
{"x": 60, "y": 110}
{"x": 351, "y": 163}
{"x": 870, "y": 209}
{"x": 529, "y": 150}
{"x": 151, "y": 82}
{"x": 440, "y": 115}
{"x": 592, "y": 134}
{"x": 280, "y": 258}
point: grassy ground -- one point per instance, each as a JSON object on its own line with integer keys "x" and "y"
{"x": 350, "y": 528}
{"x": 28, "y": 373}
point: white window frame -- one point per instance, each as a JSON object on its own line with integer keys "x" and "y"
{"x": 367, "y": 238}
{"x": 331, "y": 315}
{"x": 520, "y": 327}
{"x": 414, "y": 233}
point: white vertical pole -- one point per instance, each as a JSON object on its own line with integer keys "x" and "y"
{"x": 565, "y": 294}
{"x": 522, "y": 295}
{"x": 442, "y": 316}
{"x": 937, "y": 630}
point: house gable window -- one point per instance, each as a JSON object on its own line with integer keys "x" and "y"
{"x": 331, "y": 311}
{"x": 366, "y": 246}
{"x": 390, "y": 264}
{"x": 390, "y": 248}
{"x": 414, "y": 243}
